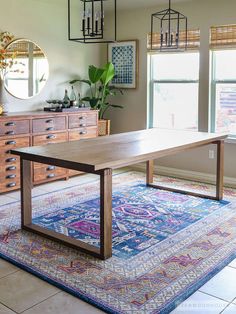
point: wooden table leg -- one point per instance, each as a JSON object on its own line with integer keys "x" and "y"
{"x": 26, "y": 197}
{"x": 219, "y": 176}
{"x": 220, "y": 170}
{"x": 149, "y": 171}
{"x": 106, "y": 214}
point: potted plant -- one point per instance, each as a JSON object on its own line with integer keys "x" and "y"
{"x": 100, "y": 89}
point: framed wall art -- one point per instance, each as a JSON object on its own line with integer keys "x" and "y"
{"x": 124, "y": 56}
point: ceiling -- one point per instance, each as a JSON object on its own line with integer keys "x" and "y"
{"x": 125, "y": 4}
{"x": 131, "y": 4}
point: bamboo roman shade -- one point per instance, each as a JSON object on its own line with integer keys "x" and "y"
{"x": 22, "y": 49}
{"x": 223, "y": 36}
{"x": 193, "y": 40}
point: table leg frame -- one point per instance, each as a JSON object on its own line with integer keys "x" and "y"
{"x": 105, "y": 250}
{"x": 219, "y": 176}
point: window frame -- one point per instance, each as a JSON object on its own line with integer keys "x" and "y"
{"x": 213, "y": 83}
{"x": 153, "y": 81}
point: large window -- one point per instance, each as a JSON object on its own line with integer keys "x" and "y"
{"x": 224, "y": 91}
{"x": 174, "y": 90}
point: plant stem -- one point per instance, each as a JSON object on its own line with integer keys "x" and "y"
{"x": 104, "y": 111}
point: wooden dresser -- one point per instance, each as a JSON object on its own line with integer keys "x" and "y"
{"x": 40, "y": 128}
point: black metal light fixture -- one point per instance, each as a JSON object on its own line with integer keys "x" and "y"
{"x": 92, "y": 27}
{"x": 171, "y": 27}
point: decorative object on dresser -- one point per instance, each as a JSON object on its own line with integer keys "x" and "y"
{"x": 124, "y": 56}
{"x": 68, "y": 104}
{"x": 93, "y": 25}
{"x": 100, "y": 89}
{"x": 40, "y": 128}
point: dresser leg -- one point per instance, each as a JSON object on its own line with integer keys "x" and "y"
{"x": 106, "y": 213}
{"x": 26, "y": 192}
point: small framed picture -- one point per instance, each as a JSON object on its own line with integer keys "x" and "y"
{"x": 124, "y": 56}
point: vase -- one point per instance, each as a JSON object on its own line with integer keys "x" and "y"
{"x": 3, "y": 98}
{"x": 103, "y": 127}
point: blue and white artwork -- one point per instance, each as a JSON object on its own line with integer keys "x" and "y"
{"x": 123, "y": 55}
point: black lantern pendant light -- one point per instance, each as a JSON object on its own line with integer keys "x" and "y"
{"x": 92, "y": 25}
{"x": 172, "y": 28}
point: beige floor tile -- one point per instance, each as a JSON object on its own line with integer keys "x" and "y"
{"x": 35, "y": 192}
{"x": 5, "y": 199}
{"x": 223, "y": 285}
{"x": 231, "y": 309}
{"x": 6, "y": 268}
{"x": 63, "y": 303}
{"x": 21, "y": 290}
{"x": 233, "y": 263}
{"x": 5, "y": 310}
{"x": 201, "y": 303}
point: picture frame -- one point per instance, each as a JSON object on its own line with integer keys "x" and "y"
{"x": 124, "y": 56}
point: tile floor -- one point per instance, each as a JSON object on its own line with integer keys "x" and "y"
{"x": 21, "y": 292}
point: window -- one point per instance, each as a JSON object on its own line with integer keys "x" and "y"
{"x": 224, "y": 91}
{"x": 223, "y": 79}
{"x": 174, "y": 90}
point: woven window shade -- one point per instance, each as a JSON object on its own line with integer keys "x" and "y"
{"x": 22, "y": 50}
{"x": 193, "y": 40}
{"x": 223, "y": 36}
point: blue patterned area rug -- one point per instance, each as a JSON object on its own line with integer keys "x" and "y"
{"x": 165, "y": 245}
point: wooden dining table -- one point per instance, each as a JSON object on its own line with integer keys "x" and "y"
{"x": 101, "y": 156}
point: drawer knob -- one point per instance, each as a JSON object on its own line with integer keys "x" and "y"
{"x": 82, "y": 132}
{"x": 11, "y": 185}
{"x": 50, "y": 168}
{"x": 49, "y": 121}
{"x": 50, "y": 129}
{"x": 11, "y": 176}
{"x": 82, "y": 125}
{"x": 10, "y": 142}
{"x": 50, "y": 136}
{"x": 51, "y": 175}
{"x": 10, "y": 133}
{"x": 10, "y": 159}
{"x": 11, "y": 168}
{"x": 10, "y": 124}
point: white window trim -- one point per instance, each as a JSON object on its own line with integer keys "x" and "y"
{"x": 213, "y": 82}
{"x": 152, "y": 82}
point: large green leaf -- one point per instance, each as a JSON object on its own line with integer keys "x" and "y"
{"x": 92, "y": 101}
{"x": 117, "y": 106}
{"x": 83, "y": 81}
{"x": 109, "y": 73}
{"x": 95, "y": 74}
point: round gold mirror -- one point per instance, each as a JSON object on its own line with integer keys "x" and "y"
{"x": 29, "y": 72}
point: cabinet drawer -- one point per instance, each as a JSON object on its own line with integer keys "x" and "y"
{"x": 48, "y": 172}
{"x": 49, "y": 138}
{"x": 49, "y": 124}
{"x": 12, "y": 143}
{"x": 14, "y": 127}
{"x": 82, "y": 120}
{"x": 8, "y": 186}
{"x": 9, "y": 160}
{"x": 13, "y": 177}
{"x": 82, "y": 133}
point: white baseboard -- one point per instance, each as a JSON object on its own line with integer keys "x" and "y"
{"x": 187, "y": 174}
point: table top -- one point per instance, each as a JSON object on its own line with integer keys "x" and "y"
{"x": 118, "y": 150}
